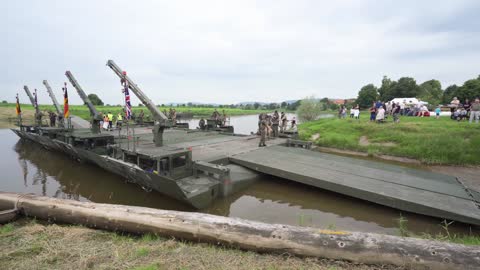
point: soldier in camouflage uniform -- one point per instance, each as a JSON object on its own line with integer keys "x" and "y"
{"x": 275, "y": 123}
{"x": 284, "y": 120}
{"x": 263, "y": 130}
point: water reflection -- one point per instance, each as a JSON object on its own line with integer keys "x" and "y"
{"x": 30, "y": 168}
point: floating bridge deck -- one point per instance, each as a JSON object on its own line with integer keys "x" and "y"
{"x": 402, "y": 188}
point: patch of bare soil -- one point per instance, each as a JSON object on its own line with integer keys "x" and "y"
{"x": 315, "y": 136}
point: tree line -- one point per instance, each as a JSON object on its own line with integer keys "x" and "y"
{"x": 406, "y": 87}
{"x": 292, "y": 106}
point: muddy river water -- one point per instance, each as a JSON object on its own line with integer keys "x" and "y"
{"x": 29, "y": 168}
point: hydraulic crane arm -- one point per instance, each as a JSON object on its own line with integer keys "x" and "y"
{"x": 38, "y": 114}
{"x": 96, "y": 117}
{"x": 156, "y": 113}
{"x": 161, "y": 121}
{"x": 32, "y": 99}
{"x": 54, "y": 99}
{"x": 93, "y": 111}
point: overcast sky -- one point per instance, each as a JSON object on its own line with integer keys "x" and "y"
{"x": 233, "y": 51}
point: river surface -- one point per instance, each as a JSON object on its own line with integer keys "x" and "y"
{"x": 29, "y": 168}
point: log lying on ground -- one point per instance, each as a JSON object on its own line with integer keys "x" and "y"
{"x": 7, "y": 216}
{"x": 352, "y": 246}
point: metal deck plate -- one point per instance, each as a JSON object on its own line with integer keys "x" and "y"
{"x": 394, "y": 186}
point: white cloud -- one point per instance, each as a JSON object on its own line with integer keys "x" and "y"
{"x": 231, "y": 51}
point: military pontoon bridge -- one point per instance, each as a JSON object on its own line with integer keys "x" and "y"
{"x": 197, "y": 166}
{"x": 403, "y": 188}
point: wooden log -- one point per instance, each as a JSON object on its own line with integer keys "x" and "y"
{"x": 366, "y": 248}
{"x": 7, "y": 216}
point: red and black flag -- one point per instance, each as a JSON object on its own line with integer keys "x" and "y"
{"x": 66, "y": 112}
{"x": 17, "y": 107}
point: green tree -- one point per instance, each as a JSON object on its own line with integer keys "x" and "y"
{"x": 367, "y": 95}
{"x": 431, "y": 92}
{"x": 256, "y": 105}
{"x": 309, "y": 109}
{"x": 405, "y": 87}
{"x": 469, "y": 90}
{"x": 325, "y": 100}
{"x": 449, "y": 93}
{"x": 333, "y": 106}
{"x": 293, "y": 106}
{"x": 272, "y": 106}
{"x": 384, "y": 91}
{"x": 95, "y": 100}
{"x": 283, "y": 105}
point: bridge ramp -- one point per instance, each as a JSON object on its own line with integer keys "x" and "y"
{"x": 398, "y": 187}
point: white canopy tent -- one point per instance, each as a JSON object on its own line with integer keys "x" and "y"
{"x": 412, "y": 101}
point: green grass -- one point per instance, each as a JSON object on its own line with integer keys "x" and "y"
{"x": 429, "y": 140}
{"x": 83, "y": 112}
{"x": 77, "y": 247}
{"x": 147, "y": 267}
{"x": 444, "y": 235}
{"x": 143, "y": 251}
{"x": 6, "y": 228}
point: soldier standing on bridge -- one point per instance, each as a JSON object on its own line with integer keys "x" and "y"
{"x": 224, "y": 118}
{"x": 263, "y": 130}
{"x": 53, "y": 118}
{"x": 140, "y": 117}
{"x": 174, "y": 117}
{"x": 119, "y": 120}
{"x": 275, "y": 123}
{"x": 201, "y": 124}
{"x": 283, "y": 117}
{"x": 110, "y": 120}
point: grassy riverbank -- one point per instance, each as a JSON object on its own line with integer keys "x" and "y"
{"x": 26, "y": 244}
{"x": 429, "y": 140}
{"x": 8, "y": 110}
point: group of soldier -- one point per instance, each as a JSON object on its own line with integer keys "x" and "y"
{"x": 268, "y": 126}
{"x": 220, "y": 119}
{"x": 172, "y": 115}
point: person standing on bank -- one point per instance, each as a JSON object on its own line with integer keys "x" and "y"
{"x": 475, "y": 111}
{"x": 396, "y": 112}
{"x": 263, "y": 130}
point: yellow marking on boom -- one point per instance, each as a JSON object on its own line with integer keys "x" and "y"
{"x": 333, "y": 232}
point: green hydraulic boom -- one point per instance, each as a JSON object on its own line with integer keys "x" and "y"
{"x": 59, "y": 109}
{"x": 161, "y": 121}
{"x": 95, "y": 116}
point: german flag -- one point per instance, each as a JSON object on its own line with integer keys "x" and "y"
{"x": 66, "y": 112}
{"x": 17, "y": 107}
